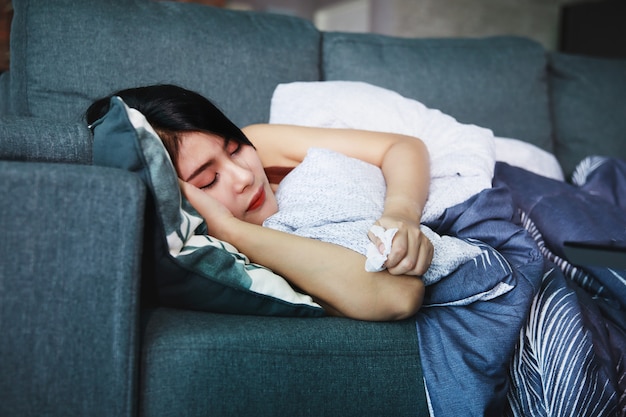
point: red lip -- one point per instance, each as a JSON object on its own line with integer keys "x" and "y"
{"x": 257, "y": 200}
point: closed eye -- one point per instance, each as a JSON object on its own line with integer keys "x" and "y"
{"x": 212, "y": 183}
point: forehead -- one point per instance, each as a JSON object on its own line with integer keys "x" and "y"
{"x": 199, "y": 144}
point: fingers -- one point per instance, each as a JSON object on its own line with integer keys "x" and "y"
{"x": 376, "y": 241}
{"x": 425, "y": 257}
{"x": 411, "y": 254}
{"x": 193, "y": 194}
{"x": 214, "y": 213}
{"x": 379, "y": 238}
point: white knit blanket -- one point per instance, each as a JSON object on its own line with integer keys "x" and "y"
{"x": 336, "y": 199}
{"x": 462, "y": 156}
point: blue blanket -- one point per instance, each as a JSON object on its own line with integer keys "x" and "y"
{"x": 466, "y": 350}
{"x": 563, "y": 212}
{"x": 555, "y": 344}
{"x": 571, "y": 356}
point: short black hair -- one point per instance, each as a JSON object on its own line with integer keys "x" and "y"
{"x": 172, "y": 110}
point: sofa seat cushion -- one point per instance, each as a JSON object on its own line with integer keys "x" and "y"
{"x": 66, "y": 53}
{"x": 280, "y": 366}
{"x": 498, "y": 83}
{"x": 589, "y": 107}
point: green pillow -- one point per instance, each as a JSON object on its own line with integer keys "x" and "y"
{"x": 589, "y": 108}
{"x": 192, "y": 269}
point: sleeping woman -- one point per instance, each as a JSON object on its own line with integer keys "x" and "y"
{"x": 223, "y": 172}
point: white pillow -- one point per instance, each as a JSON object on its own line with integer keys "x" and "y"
{"x": 462, "y": 156}
{"x": 528, "y": 156}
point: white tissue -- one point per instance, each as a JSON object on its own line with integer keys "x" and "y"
{"x": 375, "y": 260}
{"x": 449, "y": 253}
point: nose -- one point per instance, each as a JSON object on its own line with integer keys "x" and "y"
{"x": 242, "y": 175}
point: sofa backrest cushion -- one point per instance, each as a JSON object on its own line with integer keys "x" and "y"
{"x": 589, "y": 108}
{"x": 66, "y": 53}
{"x": 497, "y": 83}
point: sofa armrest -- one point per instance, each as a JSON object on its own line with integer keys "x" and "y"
{"x": 41, "y": 140}
{"x": 70, "y": 251}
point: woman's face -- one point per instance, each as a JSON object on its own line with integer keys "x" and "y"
{"x": 229, "y": 172}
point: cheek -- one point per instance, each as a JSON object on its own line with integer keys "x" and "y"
{"x": 252, "y": 159}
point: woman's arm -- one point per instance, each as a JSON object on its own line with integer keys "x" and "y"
{"x": 334, "y": 276}
{"x": 405, "y": 165}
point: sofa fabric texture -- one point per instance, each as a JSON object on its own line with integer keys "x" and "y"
{"x": 593, "y": 89}
{"x": 69, "y": 315}
{"x": 77, "y": 51}
{"x": 276, "y": 366}
{"x": 41, "y": 140}
{"x": 4, "y": 93}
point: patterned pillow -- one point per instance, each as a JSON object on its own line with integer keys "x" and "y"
{"x": 192, "y": 269}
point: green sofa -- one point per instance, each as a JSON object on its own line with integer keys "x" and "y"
{"x": 82, "y": 334}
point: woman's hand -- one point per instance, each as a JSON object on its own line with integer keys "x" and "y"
{"x": 214, "y": 213}
{"x": 411, "y": 251}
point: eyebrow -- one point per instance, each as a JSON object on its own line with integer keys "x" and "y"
{"x": 206, "y": 165}
{"x": 199, "y": 170}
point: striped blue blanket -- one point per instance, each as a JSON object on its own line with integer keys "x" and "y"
{"x": 570, "y": 359}
{"x": 555, "y": 343}
{"x": 466, "y": 349}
